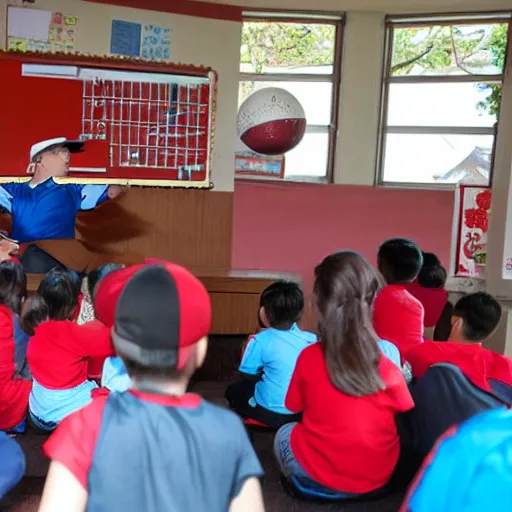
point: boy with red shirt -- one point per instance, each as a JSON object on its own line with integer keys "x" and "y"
{"x": 155, "y": 447}
{"x": 429, "y": 289}
{"x": 397, "y": 315}
{"x": 475, "y": 318}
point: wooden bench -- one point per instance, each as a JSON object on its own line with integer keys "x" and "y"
{"x": 235, "y": 296}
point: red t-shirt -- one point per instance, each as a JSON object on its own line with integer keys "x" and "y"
{"x": 14, "y": 392}
{"x": 58, "y": 352}
{"x": 95, "y": 364}
{"x": 432, "y": 299}
{"x": 398, "y": 317}
{"x": 349, "y": 444}
{"x": 476, "y": 362}
{"x": 7, "y": 365}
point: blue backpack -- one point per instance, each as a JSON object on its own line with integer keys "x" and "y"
{"x": 469, "y": 469}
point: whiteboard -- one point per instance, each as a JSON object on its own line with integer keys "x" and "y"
{"x": 33, "y": 24}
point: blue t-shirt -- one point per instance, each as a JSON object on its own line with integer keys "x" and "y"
{"x": 48, "y": 210}
{"x": 469, "y": 469}
{"x": 273, "y": 353}
{"x": 391, "y": 352}
{"x": 114, "y": 376}
{"x": 139, "y": 452}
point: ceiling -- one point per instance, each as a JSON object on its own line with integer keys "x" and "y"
{"x": 387, "y": 6}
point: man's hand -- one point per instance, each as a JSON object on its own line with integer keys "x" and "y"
{"x": 114, "y": 191}
{"x": 7, "y": 248}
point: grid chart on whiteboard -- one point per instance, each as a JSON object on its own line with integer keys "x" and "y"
{"x": 152, "y": 125}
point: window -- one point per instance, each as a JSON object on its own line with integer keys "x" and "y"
{"x": 302, "y": 55}
{"x": 441, "y": 98}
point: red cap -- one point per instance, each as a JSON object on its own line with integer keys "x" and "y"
{"x": 159, "y": 312}
{"x": 108, "y": 292}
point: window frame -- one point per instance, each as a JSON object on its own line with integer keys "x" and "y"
{"x": 411, "y": 21}
{"x": 337, "y": 19}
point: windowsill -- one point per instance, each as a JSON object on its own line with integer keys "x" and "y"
{"x": 419, "y": 186}
{"x": 314, "y": 180}
{"x": 465, "y": 284}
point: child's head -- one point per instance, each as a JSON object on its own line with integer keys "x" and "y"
{"x": 96, "y": 275}
{"x": 108, "y": 291}
{"x": 281, "y": 305}
{"x": 475, "y": 317}
{"x": 13, "y": 285}
{"x": 432, "y": 273}
{"x": 162, "y": 320}
{"x": 56, "y": 299}
{"x": 345, "y": 289}
{"x": 399, "y": 260}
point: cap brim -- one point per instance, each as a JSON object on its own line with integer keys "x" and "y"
{"x": 74, "y": 146}
{"x": 154, "y": 358}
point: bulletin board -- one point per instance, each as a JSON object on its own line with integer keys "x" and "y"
{"x": 143, "y": 123}
{"x": 30, "y": 29}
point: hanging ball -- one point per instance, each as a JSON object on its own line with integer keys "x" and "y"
{"x": 271, "y": 121}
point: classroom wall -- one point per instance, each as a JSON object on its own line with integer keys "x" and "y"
{"x": 219, "y": 228}
{"x": 200, "y": 41}
{"x": 296, "y": 226}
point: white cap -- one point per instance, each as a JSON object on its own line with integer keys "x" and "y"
{"x": 74, "y": 146}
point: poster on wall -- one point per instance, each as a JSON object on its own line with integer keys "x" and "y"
{"x": 156, "y": 42}
{"x": 151, "y": 42}
{"x": 125, "y": 38}
{"x": 248, "y": 163}
{"x": 62, "y": 33}
{"x": 475, "y": 209}
{"x": 31, "y": 30}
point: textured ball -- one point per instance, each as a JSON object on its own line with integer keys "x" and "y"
{"x": 271, "y": 121}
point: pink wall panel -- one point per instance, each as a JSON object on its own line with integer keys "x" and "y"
{"x": 291, "y": 227}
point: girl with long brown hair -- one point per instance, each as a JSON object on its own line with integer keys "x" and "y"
{"x": 348, "y": 392}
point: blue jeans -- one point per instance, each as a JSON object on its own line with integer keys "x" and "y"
{"x": 12, "y": 464}
{"x": 294, "y": 472}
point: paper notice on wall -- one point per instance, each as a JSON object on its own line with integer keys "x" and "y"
{"x": 125, "y": 38}
{"x": 59, "y": 34}
{"x": 62, "y": 33}
{"x": 156, "y": 42}
{"x": 29, "y": 24}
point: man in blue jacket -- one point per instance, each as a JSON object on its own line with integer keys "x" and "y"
{"x": 41, "y": 208}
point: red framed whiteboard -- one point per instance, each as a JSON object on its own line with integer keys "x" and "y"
{"x": 143, "y": 123}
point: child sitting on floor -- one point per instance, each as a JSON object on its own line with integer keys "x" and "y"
{"x": 397, "y": 315}
{"x": 155, "y": 447}
{"x": 349, "y": 394}
{"x": 270, "y": 356}
{"x": 475, "y": 317}
{"x": 114, "y": 376}
{"x": 429, "y": 289}
{"x": 92, "y": 280}
{"x": 14, "y": 391}
{"x": 59, "y": 350}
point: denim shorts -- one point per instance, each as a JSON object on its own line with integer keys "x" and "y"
{"x": 48, "y": 426}
{"x": 292, "y": 470}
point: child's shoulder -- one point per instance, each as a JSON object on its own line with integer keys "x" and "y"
{"x": 389, "y": 371}
{"x": 6, "y": 316}
{"x": 397, "y": 295}
{"x": 307, "y": 336}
